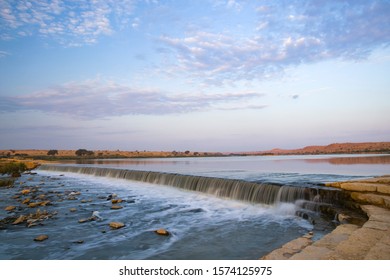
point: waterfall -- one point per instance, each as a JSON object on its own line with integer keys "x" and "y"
{"x": 307, "y": 202}
{"x": 252, "y": 192}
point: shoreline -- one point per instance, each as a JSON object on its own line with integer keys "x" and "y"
{"x": 371, "y": 241}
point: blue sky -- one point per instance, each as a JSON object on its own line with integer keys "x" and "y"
{"x": 207, "y": 75}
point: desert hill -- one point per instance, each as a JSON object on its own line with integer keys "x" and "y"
{"x": 336, "y": 148}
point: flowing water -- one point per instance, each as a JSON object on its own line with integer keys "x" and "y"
{"x": 214, "y": 208}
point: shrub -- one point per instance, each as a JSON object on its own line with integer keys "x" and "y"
{"x": 12, "y": 168}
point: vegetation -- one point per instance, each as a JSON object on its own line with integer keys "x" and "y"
{"x": 84, "y": 152}
{"x": 12, "y": 168}
{"x": 52, "y": 152}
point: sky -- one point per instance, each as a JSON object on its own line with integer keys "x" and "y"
{"x": 205, "y": 75}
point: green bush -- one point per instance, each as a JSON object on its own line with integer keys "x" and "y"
{"x": 12, "y": 168}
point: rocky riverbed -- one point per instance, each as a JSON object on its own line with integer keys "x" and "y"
{"x": 371, "y": 241}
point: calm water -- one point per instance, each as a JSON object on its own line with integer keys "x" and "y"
{"x": 278, "y": 169}
{"x": 201, "y": 226}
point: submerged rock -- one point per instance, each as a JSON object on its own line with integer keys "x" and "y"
{"x": 116, "y": 207}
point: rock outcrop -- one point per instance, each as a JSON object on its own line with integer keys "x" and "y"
{"x": 371, "y": 241}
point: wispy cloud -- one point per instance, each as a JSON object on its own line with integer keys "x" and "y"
{"x": 287, "y": 33}
{"x": 95, "y": 99}
{"x": 4, "y": 54}
{"x": 71, "y": 23}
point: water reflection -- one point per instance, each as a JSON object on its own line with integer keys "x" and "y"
{"x": 353, "y": 160}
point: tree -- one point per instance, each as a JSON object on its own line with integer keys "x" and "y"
{"x": 52, "y": 152}
{"x": 84, "y": 152}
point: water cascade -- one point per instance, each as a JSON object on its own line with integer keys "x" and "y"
{"x": 309, "y": 200}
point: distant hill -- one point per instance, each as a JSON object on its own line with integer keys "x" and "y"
{"x": 336, "y": 148}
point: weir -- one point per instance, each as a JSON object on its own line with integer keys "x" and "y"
{"x": 308, "y": 200}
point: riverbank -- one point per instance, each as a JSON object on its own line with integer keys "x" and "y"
{"x": 371, "y": 241}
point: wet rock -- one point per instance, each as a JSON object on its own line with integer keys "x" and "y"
{"x": 162, "y": 231}
{"x": 5, "y": 221}
{"x": 81, "y": 221}
{"x": 115, "y": 201}
{"x": 343, "y": 218}
{"x": 25, "y": 191}
{"x": 33, "y": 204}
{"x": 116, "y": 225}
{"x": 26, "y": 201}
{"x": 116, "y": 207}
{"x": 96, "y": 216}
{"x": 72, "y": 209}
{"x": 19, "y": 220}
{"x": 79, "y": 241}
{"x": 83, "y": 201}
{"x": 41, "y": 237}
{"x": 111, "y": 196}
{"x": 74, "y": 193}
{"x": 46, "y": 202}
{"x": 10, "y": 208}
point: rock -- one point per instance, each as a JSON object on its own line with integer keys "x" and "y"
{"x": 25, "y": 191}
{"x": 343, "y": 218}
{"x": 115, "y": 201}
{"x": 20, "y": 220}
{"x": 85, "y": 220}
{"x": 83, "y": 201}
{"x": 359, "y": 187}
{"x": 72, "y": 209}
{"x": 74, "y": 193}
{"x": 116, "y": 207}
{"x": 34, "y": 204}
{"x": 111, "y": 196}
{"x": 41, "y": 237}
{"x": 26, "y": 201}
{"x": 162, "y": 231}
{"x": 96, "y": 216}
{"x": 10, "y": 208}
{"x": 116, "y": 225}
{"x": 79, "y": 242}
{"x": 44, "y": 203}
